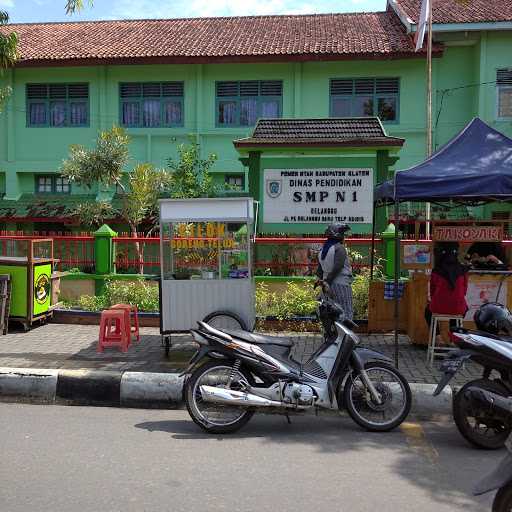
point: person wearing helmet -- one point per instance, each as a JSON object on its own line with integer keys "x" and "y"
{"x": 493, "y": 318}
{"x": 334, "y": 266}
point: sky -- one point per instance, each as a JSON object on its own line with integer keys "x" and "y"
{"x": 24, "y": 11}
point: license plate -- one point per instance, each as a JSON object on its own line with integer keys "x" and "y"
{"x": 452, "y": 365}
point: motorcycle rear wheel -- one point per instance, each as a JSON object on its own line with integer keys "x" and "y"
{"x": 488, "y": 431}
{"x": 503, "y": 499}
{"x": 211, "y": 417}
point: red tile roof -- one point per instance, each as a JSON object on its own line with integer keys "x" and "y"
{"x": 252, "y": 38}
{"x": 459, "y": 11}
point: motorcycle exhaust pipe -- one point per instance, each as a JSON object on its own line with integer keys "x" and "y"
{"x": 489, "y": 399}
{"x": 232, "y": 397}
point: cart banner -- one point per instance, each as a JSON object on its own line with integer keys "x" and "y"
{"x": 200, "y": 235}
{"x": 481, "y": 292}
{"x": 42, "y": 288}
{"x": 467, "y": 233}
{"x": 318, "y": 196}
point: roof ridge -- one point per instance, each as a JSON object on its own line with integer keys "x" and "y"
{"x": 279, "y": 119}
{"x": 190, "y": 18}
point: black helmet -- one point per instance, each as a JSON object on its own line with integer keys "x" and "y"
{"x": 337, "y": 230}
{"x": 493, "y": 318}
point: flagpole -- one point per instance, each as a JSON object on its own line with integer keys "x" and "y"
{"x": 429, "y": 107}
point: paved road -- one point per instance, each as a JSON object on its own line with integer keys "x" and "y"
{"x": 102, "y": 459}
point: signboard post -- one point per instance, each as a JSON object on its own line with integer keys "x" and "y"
{"x": 309, "y": 196}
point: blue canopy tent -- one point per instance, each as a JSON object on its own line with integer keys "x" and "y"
{"x": 473, "y": 167}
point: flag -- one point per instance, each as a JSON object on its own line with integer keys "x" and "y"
{"x": 422, "y": 25}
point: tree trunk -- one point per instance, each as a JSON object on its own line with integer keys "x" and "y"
{"x": 139, "y": 249}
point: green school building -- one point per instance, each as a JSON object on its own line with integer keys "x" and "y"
{"x": 214, "y": 78}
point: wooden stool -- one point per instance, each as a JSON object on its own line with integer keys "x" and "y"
{"x": 113, "y": 330}
{"x": 132, "y": 313}
{"x": 432, "y": 349}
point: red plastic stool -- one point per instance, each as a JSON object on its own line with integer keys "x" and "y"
{"x": 113, "y": 330}
{"x": 131, "y": 314}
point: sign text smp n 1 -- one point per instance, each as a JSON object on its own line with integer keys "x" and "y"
{"x": 318, "y": 196}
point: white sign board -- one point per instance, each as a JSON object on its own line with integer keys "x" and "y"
{"x": 235, "y": 209}
{"x": 480, "y": 292}
{"x": 318, "y": 196}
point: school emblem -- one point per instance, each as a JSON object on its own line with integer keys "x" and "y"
{"x": 274, "y": 188}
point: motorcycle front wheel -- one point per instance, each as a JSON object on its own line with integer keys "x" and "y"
{"x": 212, "y": 417}
{"x": 482, "y": 429}
{"x": 395, "y": 393}
{"x": 503, "y": 499}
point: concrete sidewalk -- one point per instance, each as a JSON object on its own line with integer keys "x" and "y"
{"x": 58, "y": 363}
{"x": 73, "y": 347}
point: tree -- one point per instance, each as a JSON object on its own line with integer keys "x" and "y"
{"x": 73, "y": 6}
{"x": 104, "y": 164}
{"x": 187, "y": 177}
{"x": 8, "y": 54}
{"x": 145, "y": 186}
{"x": 190, "y": 174}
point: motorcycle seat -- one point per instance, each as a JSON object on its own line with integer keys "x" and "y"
{"x": 259, "y": 339}
{"x": 498, "y": 337}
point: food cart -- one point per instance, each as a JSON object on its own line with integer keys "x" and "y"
{"x": 473, "y": 169}
{"x": 29, "y": 263}
{"x": 206, "y": 259}
{"x": 487, "y": 282}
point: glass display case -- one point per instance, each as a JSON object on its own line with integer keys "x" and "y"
{"x": 206, "y": 250}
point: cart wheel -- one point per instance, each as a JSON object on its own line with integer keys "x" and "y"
{"x": 225, "y": 320}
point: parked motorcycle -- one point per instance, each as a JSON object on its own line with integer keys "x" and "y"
{"x": 483, "y": 427}
{"x": 235, "y": 373}
{"x": 501, "y": 478}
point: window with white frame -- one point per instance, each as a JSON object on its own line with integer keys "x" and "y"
{"x": 52, "y": 185}
{"x": 504, "y": 93}
{"x": 235, "y": 181}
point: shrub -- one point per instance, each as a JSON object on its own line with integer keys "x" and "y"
{"x": 92, "y": 302}
{"x": 360, "y": 293}
{"x": 139, "y": 293}
{"x": 298, "y": 299}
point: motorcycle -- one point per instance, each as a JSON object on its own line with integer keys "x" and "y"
{"x": 234, "y": 373}
{"x": 482, "y": 426}
{"x": 501, "y": 477}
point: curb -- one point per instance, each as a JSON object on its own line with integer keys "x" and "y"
{"x": 146, "y": 390}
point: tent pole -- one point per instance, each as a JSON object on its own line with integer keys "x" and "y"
{"x": 397, "y": 273}
{"x": 372, "y": 253}
{"x": 428, "y": 213}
